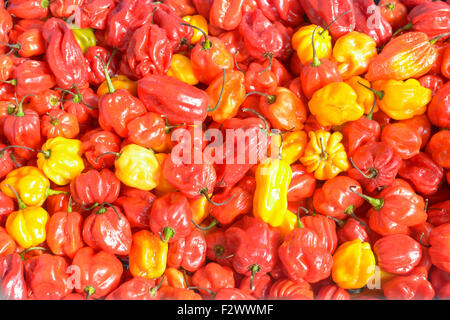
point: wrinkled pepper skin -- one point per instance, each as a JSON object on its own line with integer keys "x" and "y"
{"x": 179, "y": 101}
{"x": 379, "y": 29}
{"x": 411, "y": 287}
{"x": 137, "y": 288}
{"x": 439, "y": 251}
{"x": 189, "y": 253}
{"x": 148, "y": 255}
{"x": 431, "y": 18}
{"x": 64, "y": 233}
{"x": 273, "y": 177}
{"x": 214, "y": 277}
{"x": 12, "y": 280}
{"x": 69, "y": 69}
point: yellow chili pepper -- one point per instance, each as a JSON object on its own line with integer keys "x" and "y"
{"x": 335, "y": 104}
{"x": 402, "y": 100}
{"x": 148, "y": 255}
{"x": 60, "y": 160}
{"x": 163, "y": 185}
{"x": 118, "y": 82}
{"x": 353, "y": 264}
{"x": 31, "y": 184}
{"x": 85, "y": 38}
{"x": 137, "y": 167}
{"x": 293, "y": 146}
{"x": 199, "y": 22}
{"x": 273, "y": 177}
{"x": 181, "y": 69}
{"x": 288, "y": 225}
{"x": 325, "y": 155}
{"x": 353, "y": 52}
{"x": 365, "y": 96}
{"x": 27, "y": 225}
{"x": 200, "y": 209}
{"x": 302, "y": 43}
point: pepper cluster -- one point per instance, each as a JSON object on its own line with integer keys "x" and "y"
{"x": 224, "y": 149}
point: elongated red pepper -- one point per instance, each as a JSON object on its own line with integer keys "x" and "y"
{"x": 432, "y": 18}
{"x": 12, "y": 281}
{"x": 64, "y": 55}
{"x": 226, "y": 14}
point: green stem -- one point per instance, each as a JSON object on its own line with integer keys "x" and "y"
{"x": 270, "y": 98}
{"x": 168, "y": 234}
{"x": 376, "y": 203}
{"x": 212, "y": 225}
{"x": 221, "y": 94}
{"x": 22, "y": 254}
{"x": 90, "y": 290}
{"x": 22, "y": 204}
{"x": 329, "y": 25}
{"x": 51, "y": 192}
{"x": 266, "y": 125}
{"x": 372, "y": 172}
{"x": 205, "y": 44}
{"x": 299, "y": 222}
{"x": 437, "y": 38}
{"x": 316, "y": 61}
{"x": 405, "y": 27}
{"x": 153, "y": 291}
{"x": 107, "y": 77}
{"x": 254, "y": 269}
{"x": 106, "y": 153}
{"x": 379, "y": 94}
{"x": 204, "y": 192}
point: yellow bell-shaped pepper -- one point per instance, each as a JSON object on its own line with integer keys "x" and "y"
{"x": 199, "y": 22}
{"x": 137, "y": 167}
{"x": 31, "y": 184}
{"x": 273, "y": 177}
{"x": 293, "y": 146}
{"x": 325, "y": 155}
{"x": 402, "y": 100}
{"x": 353, "y": 264}
{"x": 365, "y": 96}
{"x": 148, "y": 255}
{"x": 27, "y": 225}
{"x": 302, "y": 43}
{"x": 353, "y": 53}
{"x": 288, "y": 225}
{"x": 181, "y": 69}
{"x": 118, "y": 82}
{"x": 200, "y": 209}
{"x": 60, "y": 160}
{"x": 335, "y": 104}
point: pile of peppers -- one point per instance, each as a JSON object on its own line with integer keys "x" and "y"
{"x": 346, "y": 103}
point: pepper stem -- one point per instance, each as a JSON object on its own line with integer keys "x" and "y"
{"x": 168, "y": 234}
{"x": 372, "y": 171}
{"x": 106, "y": 153}
{"x": 212, "y": 225}
{"x": 376, "y": 203}
{"x": 20, "y": 112}
{"x": 316, "y": 61}
{"x": 269, "y": 56}
{"x": 235, "y": 62}
{"x": 103, "y": 209}
{"x": 421, "y": 242}
{"x": 379, "y": 94}
{"x": 437, "y": 38}
{"x": 10, "y": 147}
{"x": 254, "y": 269}
{"x": 299, "y": 222}
{"x": 370, "y": 114}
{"x": 323, "y": 154}
{"x": 107, "y": 77}
{"x": 221, "y": 94}
{"x": 90, "y": 290}
{"x": 205, "y": 44}
{"x": 270, "y": 98}
{"x": 153, "y": 291}
{"x": 266, "y": 129}
{"x": 22, "y": 254}
{"x": 405, "y": 27}
{"x": 218, "y": 250}
{"x": 350, "y": 211}
{"x": 22, "y": 204}
{"x": 51, "y": 192}
{"x": 204, "y": 192}
{"x": 337, "y": 18}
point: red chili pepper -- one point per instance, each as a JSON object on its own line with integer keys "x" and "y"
{"x": 213, "y": 277}
{"x": 289, "y": 11}
{"x": 375, "y": 165}
{"x": 336, "y": 199}
{"x": 284, "y": 289}
{"x": 137, "y": 288}
{"x": 302, "y": 184}
{"x": 188, "y": 253}
{"x": 439, "y": 213}
{"x": 46, "y": 276}
{"x": 377, "y": 27}
{"x": 149, "y": 51}
{"x": 323, "y": 13}
{"x": 58, "y": 123}
{"x": 179, "y": 101}
{"x": 217, "y": 248}
{"x": 6, "y": 67}
{"x": 241, "y": 203}
{"x": 171, "y": 217}
{"x": 432, "y": 18}
{"x": 7, "y": 243}
{"x": 178, "y": 33}
{"x": 261, "y": 285}
{"x": 226, "y": 14}
{"x": 397, "y": 253}
{"x": 93, "y": 188}
{"x": 234, "y": 43}
{"x": 423, "y": 173}
{"x": 96, "y": 73}
{"x": 64, "y": 233}
{"x": 12, "y": 282}
{"x": 262, "y": 39}
{"x": 97, "y": 142}
{"x": 149, "y": 130}
{"x": 45, "y": 101}
{"x": 412, "y": 287}
{"x": 182, "y": 7}
{"x": 439, "y": 108}
{"x": 352, "y": 229}
{"x": 324, "y": 227}
{"x": 83, "y": 104}
{"x": 6, "y": 25}
{"x": 94, "y": 13}
{"x": 254, "y": 245}
{"x": 438, "y": 147}
{"x": 64, "y": 55}
{"x": 395, "y": 209}
{"x": 440, "y": 247}
{"x": 33, "y": 77}
{"x": 233, "y": 294}
{"x": 22, "y": 128}
{"x": 440, "y": 280}
{"x": 100, "y": 272}
{"x": 259, "y": 78}
{"x": 136, "y": 204}
{"x": 404, "y": 140}
{"x": 108, "y": 229}
{"x": 394, "y": 12}
{"x": 432, "y": 82}
{"x": 6, "y": 162}
{"x": 203, "y": 6}
{"x": 332, "y": 292}
{"x": 28, "y": 9}
{"x": 29, "y": 42}
{"x": 171, "y": 293}
{"x": 360, "y": 132}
